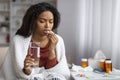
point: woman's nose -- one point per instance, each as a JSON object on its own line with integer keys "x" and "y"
{"x": 47, "y": 25}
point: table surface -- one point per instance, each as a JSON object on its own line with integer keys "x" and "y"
{"x": 95, "y": 76}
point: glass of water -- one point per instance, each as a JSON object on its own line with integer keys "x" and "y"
{"x": 35, "y": 53}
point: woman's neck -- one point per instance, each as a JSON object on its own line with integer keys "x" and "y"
{"x": 42, "y": 39}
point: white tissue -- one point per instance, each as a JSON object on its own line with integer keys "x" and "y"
{"x": 99, "y": 55}
{"x": 77, "y": 68}
{"x": 115, "y": 72}
{"x": 94, "y": 62}
{"x": 89, "y": 68}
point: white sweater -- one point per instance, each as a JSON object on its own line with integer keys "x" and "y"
{"x": 14, "y": 62}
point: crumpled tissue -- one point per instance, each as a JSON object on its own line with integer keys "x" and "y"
{"x": 77, "y": 68}
{"x": 94, "y": 62}
{"x": 99, "y": 55}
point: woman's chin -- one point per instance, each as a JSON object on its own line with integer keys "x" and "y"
{"x": 44, "y": 34}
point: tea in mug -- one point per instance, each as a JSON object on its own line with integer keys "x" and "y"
{"x": 108, "y": 66}
{"x": 84, "y": 62}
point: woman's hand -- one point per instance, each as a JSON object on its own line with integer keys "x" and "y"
{"x": 27, "y": 65}
{"x": 53, "y": 42}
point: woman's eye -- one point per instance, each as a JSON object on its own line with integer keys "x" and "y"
{"x": 51, "y": 21}
{"x": 42, "y": 21}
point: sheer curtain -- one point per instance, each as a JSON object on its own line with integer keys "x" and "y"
{"x": 88, "y": 26}
{"x": 116, "y": 33}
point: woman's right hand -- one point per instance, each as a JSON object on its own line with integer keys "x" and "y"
{"x": 27, "y": 65}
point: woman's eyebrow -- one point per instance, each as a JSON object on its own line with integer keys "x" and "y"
{"x": 46, "y": 19}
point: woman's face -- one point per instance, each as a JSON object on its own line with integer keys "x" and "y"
{"x": 44, "y": 22}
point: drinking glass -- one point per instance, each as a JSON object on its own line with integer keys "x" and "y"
{"x": 35, "y": 53}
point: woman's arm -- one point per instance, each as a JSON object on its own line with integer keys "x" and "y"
{"x": 62, "y": 66}
{"x": 19, "y": 50}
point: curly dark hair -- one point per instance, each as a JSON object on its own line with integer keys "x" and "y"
{"x": 31, "y": 16}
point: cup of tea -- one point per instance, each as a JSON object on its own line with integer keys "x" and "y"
{"x": 84, "y": 62}
{"x": 102, "y": 64}
{"x": 35, "y": 52}
{"x": 108, "y": 66}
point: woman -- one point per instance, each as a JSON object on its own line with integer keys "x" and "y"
{"x": 38, "y": 23}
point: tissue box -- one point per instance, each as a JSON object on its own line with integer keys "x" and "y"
{"x": 94, "y": 63}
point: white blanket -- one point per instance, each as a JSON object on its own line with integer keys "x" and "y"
{"x": 17, "y": 52}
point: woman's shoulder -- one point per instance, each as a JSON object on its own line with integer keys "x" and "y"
{"x": 17, "y": 37}
{"x": 20, "y": 39}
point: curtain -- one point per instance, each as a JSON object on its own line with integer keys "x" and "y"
{"x": 116, "y": 34}
{"x": 88, "y": 26}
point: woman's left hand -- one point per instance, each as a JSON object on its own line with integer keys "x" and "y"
{"x": 53, "y": 40}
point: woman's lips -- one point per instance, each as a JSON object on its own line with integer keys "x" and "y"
{"x": 47, "y": 32}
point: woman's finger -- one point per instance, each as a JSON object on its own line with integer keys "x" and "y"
{"x": 53, "y": 38}
{"x": 27, "y": 64}
{"x": 30, "y": 60}
{"x": 52, "y": 34}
